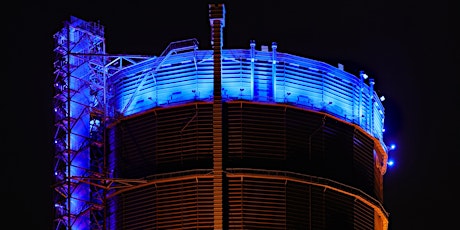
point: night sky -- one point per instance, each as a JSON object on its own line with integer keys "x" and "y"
{"x": 408, "y": 47}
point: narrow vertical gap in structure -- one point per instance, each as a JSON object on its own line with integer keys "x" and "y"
{"x": 217, "y": 20}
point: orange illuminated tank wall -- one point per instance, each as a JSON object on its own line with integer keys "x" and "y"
{"x": 283, "y": 167}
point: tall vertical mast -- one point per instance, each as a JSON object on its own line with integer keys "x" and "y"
{"x": 217, "y": 20}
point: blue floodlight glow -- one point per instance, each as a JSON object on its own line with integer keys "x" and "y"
{"x": 390, "y": 163}
{"x": 303, "y": 82}
{"x": 392, "y": 146}
{"x": 363, "y": 75}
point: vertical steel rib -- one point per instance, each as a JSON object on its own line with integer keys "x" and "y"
{"x": 217, "y": 19}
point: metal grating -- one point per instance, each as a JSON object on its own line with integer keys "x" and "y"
{"x": 299, "y": 141}
{"x": 256, "y": 203}
{"x": 364, "y": 171}
{"x": 298, "y": 206}
{"x": 363, "y": 216}
{"x": 164, "y": 140}
{"x": 285, "y": 138}
{"x": 257, "y": 130}
{"x": 178, "y": 204}
{"x": 339, "y": 210}
{"x": 274, "y": 203}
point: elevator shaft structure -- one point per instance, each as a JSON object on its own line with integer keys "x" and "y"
{"x": 212, "y": 139}
{"x": 79, "y": 105}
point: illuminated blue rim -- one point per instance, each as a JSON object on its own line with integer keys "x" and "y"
{"x": 248, "y": 75}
